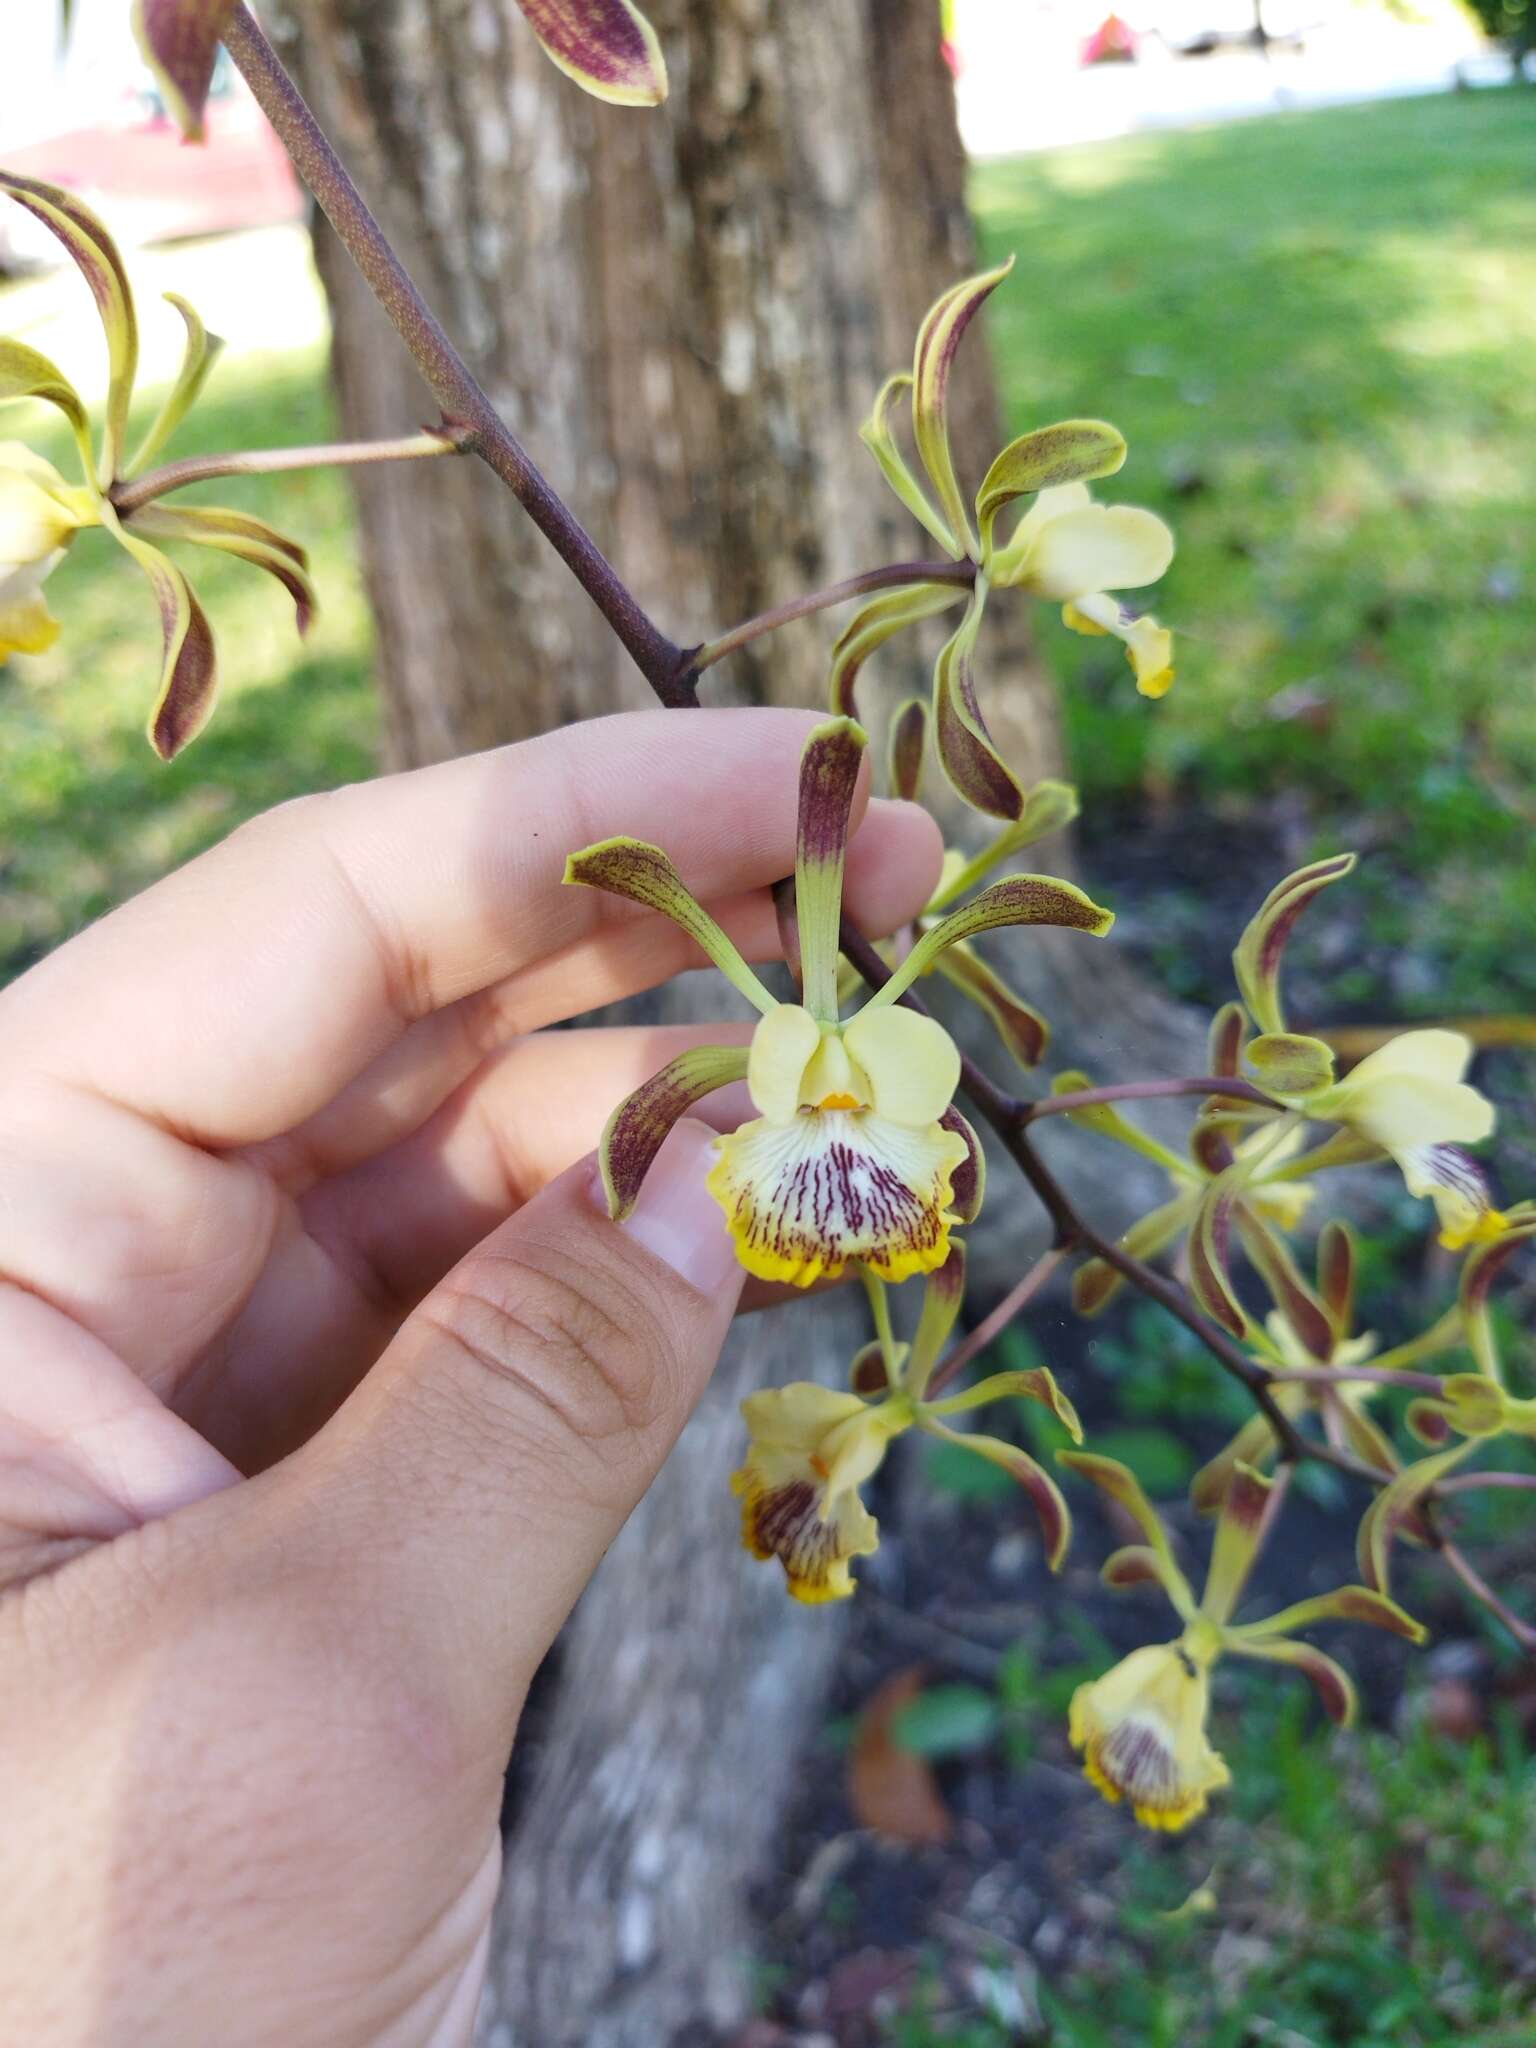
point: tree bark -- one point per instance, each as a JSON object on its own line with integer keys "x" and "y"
{"x": 685, "y": 314}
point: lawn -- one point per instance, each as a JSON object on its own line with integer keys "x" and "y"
{"x": 1317, "y": 332}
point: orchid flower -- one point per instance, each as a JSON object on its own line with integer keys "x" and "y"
{"x": 857, "y": 1151}
{"x": 39, "y": 512}
{"x": 811, "y": 1448}
{"x": 1408, "y": 1100}
{"x": 1065, "y": 548}
{"x": 1142, "y": 1726}
{"x": 607, "y": 46}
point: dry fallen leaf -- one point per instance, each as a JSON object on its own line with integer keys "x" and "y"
{"x": 889, "y": 1789}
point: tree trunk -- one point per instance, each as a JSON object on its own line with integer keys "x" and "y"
{"x": 685, "y": 315}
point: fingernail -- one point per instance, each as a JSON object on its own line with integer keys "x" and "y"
{"x": 678, "y": 1220}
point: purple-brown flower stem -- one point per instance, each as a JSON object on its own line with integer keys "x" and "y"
{"x": 993, "y": 1325}
{"x": 466, "y": 407}
{"x": 894, "y": 576}
{"x": 1481, "y": 1591}
{"x": 197, "y": 469}
{"x": 1147, "y": 1091}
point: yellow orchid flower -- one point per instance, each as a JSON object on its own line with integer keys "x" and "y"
{"x": 1069, "y": 550}
{"x": 1141, "y": 1727}
{"x": 40, "y": 515}
{"x": 1064, "y": 549}
{"x": 811, "y": 1448}
{"x": 856, "y": 1151}
{"x": 1411, "y": 1098}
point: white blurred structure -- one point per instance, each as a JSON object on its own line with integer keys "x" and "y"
{"x": 1023, "y": 86}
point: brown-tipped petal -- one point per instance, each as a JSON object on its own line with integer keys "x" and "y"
{"x": 1262, "y": 945}
{"x": 1070, "y": 452}
{"x": 607, "y": 46}
{"x": 643, "y": 874}
{"x": 1254, "y": 1444}
{"x": 1290, "y": 1293}
{"x": 180, "y": 41}
{"x": 1345, "y": 1603}
{"x": 1288, "y": 1063}
{"x": 638, "y": 1128}
{"x": 969, "y": 1181}
{"x": 199, "y": 354}
{"x": 1017, "y": 899}
{"x": 1228, "y": 1036}
{"x": 1240, "y": 1525}
{"x": 95, "y": 256}
{"x": 943, "y": 1295}
{"x": 1036, "y": 1384}
{"x": 1367, "y": 1439}
{"x": 908, "y": 743}
{"x": 1120, "y": 1484}
{"x": 188, "y": 673}
{"x": 1024, "y": 1031}
{"x": 1044, "y": 1493}
{"x": 829, "y": 774}
{"x": 1336, "y": 1274}
{"x": 1334, "y": 1686}
{"x": 938, "y": 341}
{"x": 1210, "y": 1144}
{"x": 875, "y": 623}
{"x": 1209, "y": 1255}
{"x": 878, "y": 438}
{"x": 233, "y": 533}
{"x": 1096, "y": 1283}
{"x": 1132, "y": 1565}
{"x": 867, "y": 1376}
{"x": 971, "y": 763}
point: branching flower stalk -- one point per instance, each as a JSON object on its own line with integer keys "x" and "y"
{"x": 858, "y": 1158}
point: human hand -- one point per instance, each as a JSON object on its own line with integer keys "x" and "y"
{"x": 327, "y": 1380}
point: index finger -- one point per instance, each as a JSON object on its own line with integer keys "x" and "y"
{"x": 237, "y": 997}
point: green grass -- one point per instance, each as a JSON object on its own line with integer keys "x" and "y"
{"x": 1317, "y": 332}
{"x": 1359, "y": 1892}
{"x": 88, "y": 813}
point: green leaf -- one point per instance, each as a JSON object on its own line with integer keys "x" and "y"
{"x": 948, "y": 1720}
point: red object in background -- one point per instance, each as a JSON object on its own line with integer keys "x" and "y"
{"x": 1112, "y": 42}
{"x": 151, "y": 191}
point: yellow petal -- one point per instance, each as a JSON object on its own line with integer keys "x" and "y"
{"x": 1148, "y": 645}
{"x": 1428, "y": 1055}
{"x": 26, "y": 624}
{"x": 911, "y": 1061}
{"x": 1141, "y": 1728}
{"x": 1097, "y": 547}
{"x": 804, "y": 1197}
{"x": 811, "y": 1449}
{"x": 783, "y": 1046}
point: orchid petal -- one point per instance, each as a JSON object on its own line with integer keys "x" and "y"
{"x": 643, "y": 873}
{"x": 95, "y": 255}
{"x": 198, "y": 358}
{"x": 829, "y": 775}
{"x": 943, "y": 1294}
{"x": 1346, "y": 1603}
{"x": 974, "y": 768}
{"x": 912, "y": 1062}
{"x": 938, "y": 340}
{"x": 607, "y": 46}
{"x": 878, "y": 438}
{"x": 908, "y": 742}
{"x": 1023, "y": 1030}
{"x": 1096, "y": 1282}
{"x": 180, "y": 41}
{"x": 188, "y": 674}
{"x": 1333, "y": 1684}
{"x": 639, "y": 1126}
{"x": 1240, "y": 1524}
{"x": 1072, "y": 451}
{"x": 783, "y": 1046}
{"x": 1120, "y": 1484}
{"x": 233, "y": 533}
{"x": 27, "y": 373}
{"x": 1037, "y": 1384}
{"x": 875, "y": 623}
{"x": 970, "y": 1177}
{"x": 1096, "y": 548}
{"x": 1261, "y": 948}
{"x": 1045, "y": 1494}
{"x": 1017, "y": 899}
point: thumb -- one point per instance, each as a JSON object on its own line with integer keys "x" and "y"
{"x": 493, "y": 1454}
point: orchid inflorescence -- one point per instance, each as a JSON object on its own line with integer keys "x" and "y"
{"x": 857, "y": 1157}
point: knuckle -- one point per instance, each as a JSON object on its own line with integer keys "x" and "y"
{"x": 596, "y": 1373}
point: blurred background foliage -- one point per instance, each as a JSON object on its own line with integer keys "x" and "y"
{"x": 1334, "y": 406}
